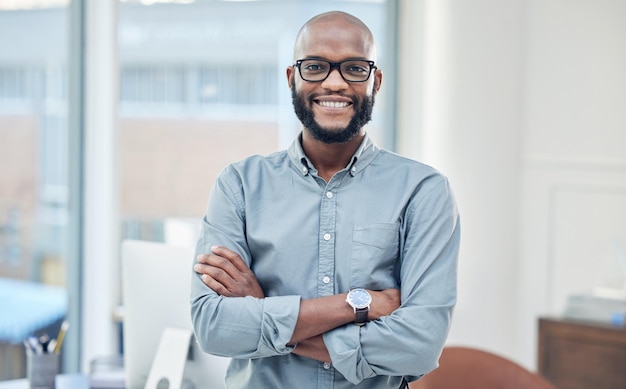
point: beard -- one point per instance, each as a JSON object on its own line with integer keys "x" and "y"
{"x": 363, "y": 114}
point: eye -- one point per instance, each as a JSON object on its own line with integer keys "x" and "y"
{"x": 313, "y": 66}
{"x": 356, "y": 68}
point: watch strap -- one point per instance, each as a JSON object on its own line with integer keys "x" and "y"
{"x": 360, "y": 315}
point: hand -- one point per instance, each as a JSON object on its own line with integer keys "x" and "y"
{"x": 384, "y": 302}
{"x": 227, "y": 274}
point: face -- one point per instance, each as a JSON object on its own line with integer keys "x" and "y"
{"x": 334, "y": 110}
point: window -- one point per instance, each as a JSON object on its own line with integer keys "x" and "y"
{"x": 15, "y": 84}
{"x": 202, "y": 85}
{"x": 153, "y": 85}
{"x": 34, "y": 194}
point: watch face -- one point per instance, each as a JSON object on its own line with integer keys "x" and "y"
{"x": 359, "y": 298}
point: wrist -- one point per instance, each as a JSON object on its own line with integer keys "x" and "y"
{"x": 360, "y": 300}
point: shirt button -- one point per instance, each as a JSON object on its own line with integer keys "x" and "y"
{"x": 329, "y": 195}
{"x": 353, "y": 169}
{"x": 326, "y": 236}
{"x": 326, "y": 365}
{"x": 326, "y": 280}
{"x": 304, "y": 169}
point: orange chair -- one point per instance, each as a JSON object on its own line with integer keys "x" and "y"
{"x": 468, "y": 368}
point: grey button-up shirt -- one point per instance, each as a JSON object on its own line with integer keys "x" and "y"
{"x": 384, "y": 221}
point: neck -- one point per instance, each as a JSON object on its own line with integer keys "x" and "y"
{"x": 329, "y": 158}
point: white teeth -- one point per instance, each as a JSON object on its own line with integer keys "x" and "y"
{"x": 333, "y": 104}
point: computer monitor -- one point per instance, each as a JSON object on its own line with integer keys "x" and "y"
{"x": 155, "y": 289}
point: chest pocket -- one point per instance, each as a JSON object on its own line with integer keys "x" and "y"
{"x": 375, "y": 251}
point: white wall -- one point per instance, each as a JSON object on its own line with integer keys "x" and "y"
{"x": 521, "y": 103}
{"x": 470, "y": 132}
{"x": 573, "y": 156}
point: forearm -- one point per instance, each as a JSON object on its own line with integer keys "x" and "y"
{"x": 313, "y": 348}
{"x": 407, "y": 343}
{"x": 320, "y": 315}
{"x": 242, "y": 327}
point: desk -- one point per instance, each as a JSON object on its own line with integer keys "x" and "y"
{"x": 580, "y": 355}
{"x": 107, "y": 380}
{"x": 14, "y": 384}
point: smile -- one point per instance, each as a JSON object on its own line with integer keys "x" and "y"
{"x": 333, "y": 104}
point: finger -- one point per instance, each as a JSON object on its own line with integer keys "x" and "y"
{"x": 245, "y": 284}
{"x": 223, "y": 285}
{"x": 203, "y": 258}
{"x": 224, "y": 252}
{"x": 215, "y": 285}
{"x": 226, "y": 265}
{"x": 216, "y": 261}
{"x": 201, "y": 268}
{"x": 217, "y": 274}
{"x": 232, "y": 256}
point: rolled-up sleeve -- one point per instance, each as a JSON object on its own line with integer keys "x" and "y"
{"x": 238, "y": 327}
{"x": 409, "y": 341}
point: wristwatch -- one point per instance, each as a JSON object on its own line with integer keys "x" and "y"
{"x": 359, "y": 299}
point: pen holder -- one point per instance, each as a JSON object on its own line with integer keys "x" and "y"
{"x": 42, "y": 369}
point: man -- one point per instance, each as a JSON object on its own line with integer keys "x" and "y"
{"x": 331, "y": 264}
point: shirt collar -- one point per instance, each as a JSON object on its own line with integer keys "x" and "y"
{"x": 362, "y": 157}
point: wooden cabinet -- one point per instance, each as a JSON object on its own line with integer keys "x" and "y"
{"x": 579, "y": 355}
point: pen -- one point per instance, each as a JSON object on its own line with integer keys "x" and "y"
{"x": 62, "y": 331}
{"x": 44, "y": 342}
{"x": 34, "y": 345}
{"x": 52, "y": 345}
{"x": 28, "y": 345}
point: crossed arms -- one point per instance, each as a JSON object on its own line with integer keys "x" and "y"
{"x": 227, "y": 274}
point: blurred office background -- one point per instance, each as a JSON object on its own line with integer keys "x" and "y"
{"x": 115, "y": 118}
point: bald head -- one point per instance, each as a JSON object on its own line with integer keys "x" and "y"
{"x": 337, "y": 24}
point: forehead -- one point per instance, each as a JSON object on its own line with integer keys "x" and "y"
{"x": 334, "y": 40}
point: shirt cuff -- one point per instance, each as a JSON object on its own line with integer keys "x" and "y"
{"x": 280, "y": 314}
{"x": 344, "y": 347}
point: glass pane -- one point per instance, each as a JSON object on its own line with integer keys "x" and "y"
{"x": 33, "y": 175}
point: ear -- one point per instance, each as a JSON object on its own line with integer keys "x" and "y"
{"x": 378, "y": 79}
{"x": 290, "y": 72}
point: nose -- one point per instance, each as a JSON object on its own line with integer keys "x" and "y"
{"x": 334, "y": 81}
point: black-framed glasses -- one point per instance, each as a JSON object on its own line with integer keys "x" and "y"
{"x": 352, "y": 70}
